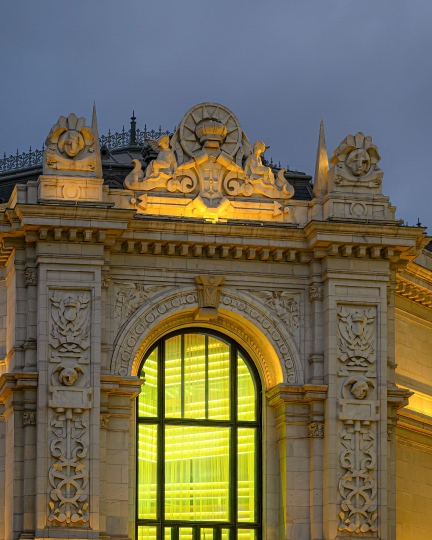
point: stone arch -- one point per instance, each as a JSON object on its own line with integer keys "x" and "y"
{"x": 265, "y": 339}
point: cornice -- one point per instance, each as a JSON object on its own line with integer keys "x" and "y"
{"x": 277, "y": 242}
{"x": 412, "y": 291}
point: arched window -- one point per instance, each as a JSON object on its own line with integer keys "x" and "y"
{"x": 199, "y": 441}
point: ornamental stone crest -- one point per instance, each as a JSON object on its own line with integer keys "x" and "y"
{"x": 210, "y": 159}
{"x": 355, "y": 166}
{"x": 70, "y": 148}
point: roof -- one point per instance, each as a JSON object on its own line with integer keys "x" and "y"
{"x": 117, "y": 151}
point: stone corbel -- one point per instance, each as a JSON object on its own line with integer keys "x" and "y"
{"x": 209, "y": 290}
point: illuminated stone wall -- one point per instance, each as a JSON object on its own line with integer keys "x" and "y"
{"x": 209, "y": 236}
{"x": 414, "y": 371}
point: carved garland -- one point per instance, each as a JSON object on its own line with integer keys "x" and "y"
{"x": 68, "y": 415}
{"x": 358, "y": 420}
{"x": 126, "y": 350}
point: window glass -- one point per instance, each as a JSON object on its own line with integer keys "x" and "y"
{"x": 194, "y": 376}
{"x": 218, "y": 379}
{"x": 197, "y": 473}
{"x": 246, "y": 474}
{"x": 147, "y": 471}
{"x": 148, "y": 399}
{"x": 173, "y": 376}
{"x": 198, "y": 441}
{"x": 245, "y": 391}
{"x": 147, "y": 533}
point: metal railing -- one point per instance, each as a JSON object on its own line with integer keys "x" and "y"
{"x": 111, "y": 141}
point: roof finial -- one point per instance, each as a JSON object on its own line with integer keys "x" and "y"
{"x": 133, "y": 130}
{"x": 94, "y": 127}
{"x": 321, "y": 167}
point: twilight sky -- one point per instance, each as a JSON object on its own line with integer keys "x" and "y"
{"x": 278, "y": 64}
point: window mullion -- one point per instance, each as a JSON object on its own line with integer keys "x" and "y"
{"x": 161, "y": 437}
{"x": 206, "y": 378}
{"x": 233, "y": 456}
{"x": 182, "y": 389}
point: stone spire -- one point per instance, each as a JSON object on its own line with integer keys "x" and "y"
{"x": 322, "y": 166}
{"x": 94, "y": 127}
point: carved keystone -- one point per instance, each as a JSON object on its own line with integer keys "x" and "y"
{"x": 209, "y": 290}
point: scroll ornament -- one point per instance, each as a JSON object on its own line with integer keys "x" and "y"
{"x": 69, "y": 341}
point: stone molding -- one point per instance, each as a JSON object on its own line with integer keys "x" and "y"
{"x": 134, "y": 337}
{"x": 414, "y": 292}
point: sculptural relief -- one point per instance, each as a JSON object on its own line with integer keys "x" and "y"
{"x": 355, "y": 164}
{"x": 210, "y": 157}
{"x": 358, "y": 421}
{"x": 68, "y": 417}
{"x": 70, "y": 147}
{"x": 130, "y": 296}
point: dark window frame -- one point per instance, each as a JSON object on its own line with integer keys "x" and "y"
{"x": 233, "y": 524}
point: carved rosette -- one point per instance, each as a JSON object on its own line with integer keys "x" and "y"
{"x": 316, "y": 429}
{"x": 29, "y": 418}
{"x": 316, "y": 292}
{"x": 358, "y": 418}
{"x": 69, "y": 415}
{"x": 30, "y": 277}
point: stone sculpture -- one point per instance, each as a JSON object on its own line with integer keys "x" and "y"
{"x": 205, "y": 156}
{"x": 70, "y": 147}
{"x": 355, "y": 164}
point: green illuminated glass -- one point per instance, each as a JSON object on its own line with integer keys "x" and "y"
{"x": 218, "y": 379}
{"x": 245, "y": 392}
{"x": 185, "y": 533}
{"x": 197, "y": 473}
{"x": 206, "y": 534}
{"x": 148, "y": 401}
{"x": 147, "y": 533}
{"x": 147, "y": 471}
{"x": 194, "y": 376}
{"x": 246, "y": 534}
{"x": 173, "y": 377}
{"x": 226, "y": 534}
{"x": 246, "y": 474}
{"x": 193, "y": 484}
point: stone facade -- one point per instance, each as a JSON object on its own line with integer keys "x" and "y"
{"x": 331, "y": 298}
